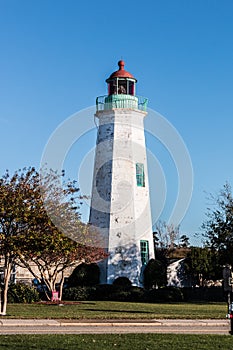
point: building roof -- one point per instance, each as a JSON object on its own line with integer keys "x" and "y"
{"x": 121, "y": 72}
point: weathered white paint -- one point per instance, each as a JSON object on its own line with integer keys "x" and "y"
{"x": 120, "y": 209}
{"x": 176, "y": 275}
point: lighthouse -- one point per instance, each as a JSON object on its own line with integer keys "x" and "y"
{"x": 120, "y": 204}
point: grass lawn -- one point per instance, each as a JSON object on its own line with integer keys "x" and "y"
{"x": 115, "y": 341}
{"x": 118, "y": 310}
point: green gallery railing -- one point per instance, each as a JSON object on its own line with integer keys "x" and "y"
{"x": 104, "y": 103}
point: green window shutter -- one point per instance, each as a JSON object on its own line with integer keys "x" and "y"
{"x": 144, "y": 246}
{"x": 140, "y": 175}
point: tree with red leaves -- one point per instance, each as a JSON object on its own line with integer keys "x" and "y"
{"x": 41, "y": 230}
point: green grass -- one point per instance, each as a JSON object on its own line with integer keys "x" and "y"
{"x": 116, "y": 341}
{"x": 118, "y": 310}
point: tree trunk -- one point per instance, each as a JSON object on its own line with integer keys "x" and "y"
{"x": 7, "y": 275}
{"x": 61, "y": 286}
{"x": 200, "y": 277}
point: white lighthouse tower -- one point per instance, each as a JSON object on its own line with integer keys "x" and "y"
{"x": 120, "y": 205}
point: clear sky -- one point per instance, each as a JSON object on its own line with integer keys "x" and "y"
{"x": 56, "y": 55}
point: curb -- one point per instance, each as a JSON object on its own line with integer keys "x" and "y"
{"x": 112, "y": 323}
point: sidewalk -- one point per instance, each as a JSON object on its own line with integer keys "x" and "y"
{"x": 156, "y": 322}
{"x": 63, "y": 326}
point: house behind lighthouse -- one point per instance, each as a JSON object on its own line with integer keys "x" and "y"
{"x": 120, "y": 204}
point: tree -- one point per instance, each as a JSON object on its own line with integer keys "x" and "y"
{"x": 37, "y": 221}
{"x": 201, "y": 264}
{"x": 218, "y": 228}
{"x": 155, "y": 274}
{"x": 15, "y": 192}
{"x": 165, "y": 235}
{"x": 52, "y": 253}
{"x": 84, "y": 275}
{"x": 57, "y": 240}
{"x": 184, "y": 241}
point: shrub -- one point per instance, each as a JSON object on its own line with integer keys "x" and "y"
{"x": 168, "y": 294}
{"x": 128, "y": 294}
{"x": 137, "y": 294}
{"x": 104, "y": 291}
{"x": 122, "y": 282}
{"x": 84, "y": 275}
{"x": 118, "y": 293}
{"x": 22, "y": 293}
{"x": 213, "y": 294}
{"x": 155, "y": 274}
{"x": 78, "y": 293}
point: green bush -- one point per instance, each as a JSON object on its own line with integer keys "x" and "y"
{"x": 99, "y": 292}
{"x": 137, "y": 294}
{"x": 167, "y": 294}
{"x": 120, "y": 295}
{"x": 22, "y": 293}
{"x": 78, "y": 293}
{"x": 114, "y": 292}
{"x": 155, "y": 274}
{"x": 104, "y": 291}
{"x": 84, "y": 275}
{"x": 203, "y": 294}
{"x": 122, "y": 282}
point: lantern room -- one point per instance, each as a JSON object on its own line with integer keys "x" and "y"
{"x": 121, "y": 82}
{"x": 121, "y": 92}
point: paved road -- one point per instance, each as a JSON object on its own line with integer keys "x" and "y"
{"x": 8, "y": 326}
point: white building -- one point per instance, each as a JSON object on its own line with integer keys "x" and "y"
{"x": 120, "y": 206}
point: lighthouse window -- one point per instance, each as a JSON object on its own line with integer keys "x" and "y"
{"x": 122, "y": 86}
{"x": 140, "y": 175}
{"x": 131, "y": 88}
{"x": 144, "y": 246}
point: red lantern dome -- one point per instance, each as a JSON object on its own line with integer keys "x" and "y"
{"x": 121, "y": 72}
{"x": 121, "y": 81}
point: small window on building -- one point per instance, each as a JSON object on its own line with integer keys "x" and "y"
{"x": 140, "y": 175}
{"x": 144, "y": 246}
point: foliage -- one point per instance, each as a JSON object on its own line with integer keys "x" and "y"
{"x": 57, "y": 239}
{"x": 122, "y": 282}
{"x": 16, "y": 201}
{"x": 29, "y": 210}
{"x": 201, "y": 264}
{"x": 219, "y": 225}
{"x": 22, "y": 293}
{"x": 205, "y": 294}
{"x": 129, "y": 294}
{"x": 84, "y": 275}
{"x": 119, "y": 293}
{"x": 137, "y": 294}
{"x": 104, "y": 291}
{"x": 165, "y": 236}
{"x": 167, "y": 294}
{"x": 179, "y": 253}
{"x": 184, "y": 241}
{"x": 155, "y": 274}
{"x": 78, "y": 293}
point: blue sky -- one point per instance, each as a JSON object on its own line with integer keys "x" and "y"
{"x": 56, "y": 55}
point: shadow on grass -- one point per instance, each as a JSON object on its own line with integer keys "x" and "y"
{"x": 120, "y": 311}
